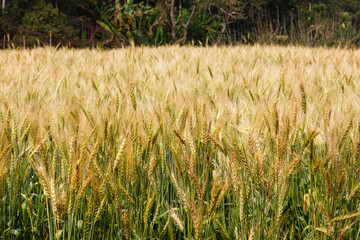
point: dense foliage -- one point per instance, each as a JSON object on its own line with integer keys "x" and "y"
{"x": 153, "y": 22}
{"x": 45, "y": 19}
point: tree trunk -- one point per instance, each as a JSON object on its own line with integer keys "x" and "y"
{"x": 3, "y": 6}
{"x": 185, "y": 25}
{"x": 225, "y": 23}
{"x": 173, "y": 20}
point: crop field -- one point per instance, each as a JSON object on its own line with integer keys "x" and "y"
{"x": 250, "y": 142}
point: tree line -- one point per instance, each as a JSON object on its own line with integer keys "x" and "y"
{"x": 158, "y": 22}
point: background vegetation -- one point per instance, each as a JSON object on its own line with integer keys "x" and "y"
{"x": 180, "y": 143}
{"x": 317, "y": 22}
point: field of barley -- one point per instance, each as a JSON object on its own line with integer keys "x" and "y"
{"x": 250, "y": 142}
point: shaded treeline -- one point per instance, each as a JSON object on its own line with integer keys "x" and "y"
{"x": 157, "y": 22}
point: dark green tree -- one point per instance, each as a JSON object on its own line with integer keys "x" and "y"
{"x": 44, "y": 18}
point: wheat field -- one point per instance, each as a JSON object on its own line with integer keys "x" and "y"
{"x": 250, "y": 142}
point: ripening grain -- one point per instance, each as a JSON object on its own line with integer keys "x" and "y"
{"x": 248, "y": 142}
